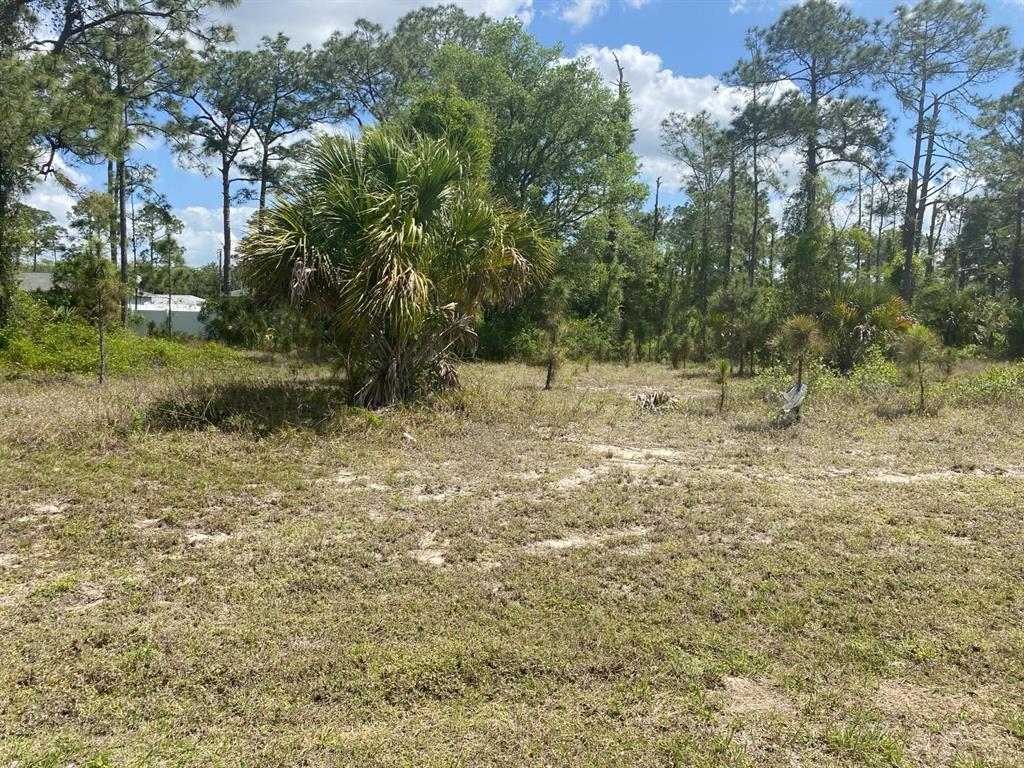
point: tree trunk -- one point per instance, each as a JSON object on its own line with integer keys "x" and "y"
{"x": 702, "y": 277}
{"x": 1017, "y": 255}
{"x": 920, "y": 379}
{"x": 6, "y": 262}
{"x": 730, "y": 224}
{"x": 225, "y": 191}
{"x": 922, "y": 197}
{"x": 812, "y": 145}
{"x": 112, "y": 224}
{"x": 103, "y": 347}
{"x": 122, "y": 233}
{"x": 910, "y": 211}
{"x": 264, "y": 167}
{"x": 657, "y": 213}
{"x": 752, "y": 265}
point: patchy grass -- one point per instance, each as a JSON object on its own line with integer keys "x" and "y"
{"x": 230, "y": 568}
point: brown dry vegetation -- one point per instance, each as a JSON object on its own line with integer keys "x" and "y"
{"x": 227, "y": 568}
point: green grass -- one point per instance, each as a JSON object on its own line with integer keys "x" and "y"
{"x": 72, "y": 347}
{"x": 229, "y": 567}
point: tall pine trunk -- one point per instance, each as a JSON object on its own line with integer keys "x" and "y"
{"x": 122, "y": 232}
{"x": 1017, "y": 255}
{"x": 225, "y": 191}
{"x": 112, "y": 223}
{"x": 926, "y": 176}
{"x": 6, "y": 261}
{"x": 103, "y": 347}
{"x": 752, "y": 265}
{"x": 910, "y": 211}
{"x": 730, "y": 224}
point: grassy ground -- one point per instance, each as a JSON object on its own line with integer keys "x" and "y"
{"x": 192, "y": 573}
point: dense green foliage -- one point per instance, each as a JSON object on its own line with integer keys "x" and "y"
{"x": 865, "y": 242}
{"x": 41, "y": 339}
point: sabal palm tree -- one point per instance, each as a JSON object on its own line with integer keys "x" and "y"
{"x": 393, "y": 240}
{"x": 800, "y": 339}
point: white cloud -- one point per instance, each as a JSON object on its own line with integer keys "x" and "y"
{"x": 50, "y": 195}
{"x": 657, "y": 91}
{"x": 579, "y": 13}
{"x": 203, "y": 235}
{"x": 313, "y": 21}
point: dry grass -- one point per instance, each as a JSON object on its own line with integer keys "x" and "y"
{"x": 231, "y": 569}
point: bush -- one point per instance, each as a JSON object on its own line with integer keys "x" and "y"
{"x": 1003, "y": 383}
{"x": 53, "y": 342}
{"x": 877, "y": 379}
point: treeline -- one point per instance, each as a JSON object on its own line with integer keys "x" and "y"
{"x": 859, "y": 236}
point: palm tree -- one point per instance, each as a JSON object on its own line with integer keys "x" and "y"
{"x": 800, "y": 340}
{"x": 394, "y": 241}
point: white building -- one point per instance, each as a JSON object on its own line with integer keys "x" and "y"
{"x": 153, "y": 308}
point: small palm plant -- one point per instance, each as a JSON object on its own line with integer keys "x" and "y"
{"x": 800, "y": 341}
{"x": 916, "y": 350}
{"x": 722, "y": 380}
{"x": 394, "y": 242}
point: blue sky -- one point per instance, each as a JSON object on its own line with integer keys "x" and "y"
{"x": 673, "y": 51}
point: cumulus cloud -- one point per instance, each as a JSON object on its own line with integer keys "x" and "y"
{"x": 50, "y": 195}
{"x": 656, "y": 91}
{"x": 579, "y": 13}
{"x": 202, "y": 237}
{"x": 313, "y": 21}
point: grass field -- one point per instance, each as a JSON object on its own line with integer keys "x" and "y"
{"x": 226, "y": 568}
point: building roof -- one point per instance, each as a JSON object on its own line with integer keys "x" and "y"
{"x": 180, "y": 302}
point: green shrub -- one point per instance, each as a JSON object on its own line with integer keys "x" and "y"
{"x": 52, "y": 342}
{"x": 1003, "y": 383}
{"x": 876, "y": 378}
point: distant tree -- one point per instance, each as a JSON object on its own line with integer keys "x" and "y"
{"x": 701, "y": 147}
{"x": 93, "y": 288}
{"x": 562, "y": 143}
{"x": 286, "y": 103}
{"x": 916, "y": 350}
{"x": 938, "y": 53}
{"x": 218, "y": 121}
{"x": 998, "y": 156}
{"x": 822, "y": 48}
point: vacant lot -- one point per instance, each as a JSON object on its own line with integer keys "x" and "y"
{"x": 227, "y": 568}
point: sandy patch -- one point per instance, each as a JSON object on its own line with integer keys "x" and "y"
{"x": 581, "y": 476}
{"x": 201, "y": 539}
{"x": 743, "y": 697}
{"x": 584, "y": 540}
{"x": 429, "y": 551}
{"x": 945, "y": 475}
{"x": 901, "y": 699}
{"x": 641, "y": 456}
